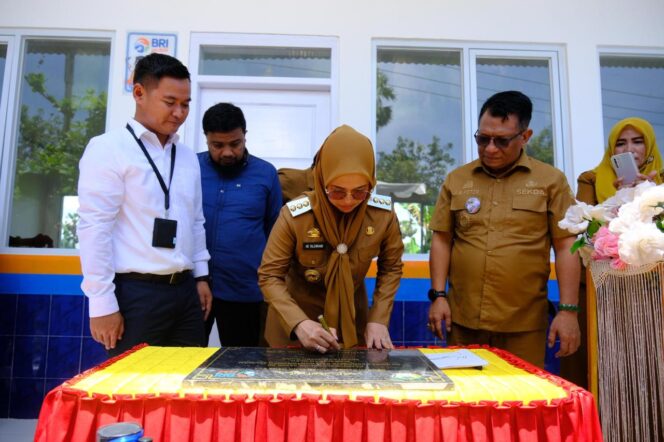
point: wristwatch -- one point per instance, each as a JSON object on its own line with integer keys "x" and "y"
{"x": 435, "y": 294}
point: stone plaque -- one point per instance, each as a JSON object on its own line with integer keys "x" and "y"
{"x": 245, "y": 367}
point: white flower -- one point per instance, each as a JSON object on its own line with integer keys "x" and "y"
{"x": 576, "y": 218}
{"x": 642, "y": 244}
{"x": 628, "y": 217}
{"x": 649, "y": 200}
{"x": 603, "y": 213}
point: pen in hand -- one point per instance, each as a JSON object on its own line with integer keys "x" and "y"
{"x": 323, "y": 323}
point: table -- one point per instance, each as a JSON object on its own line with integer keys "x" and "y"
{"x": 509, "y": 400}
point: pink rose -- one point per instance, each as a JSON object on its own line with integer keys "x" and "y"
{"x": 605, "y": 243}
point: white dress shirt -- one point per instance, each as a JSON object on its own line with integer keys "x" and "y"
{"x": 120, "y": 197}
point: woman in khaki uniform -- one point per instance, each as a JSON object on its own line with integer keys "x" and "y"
{"x": 320, "y": 249}
{"x": 594, "y": 186}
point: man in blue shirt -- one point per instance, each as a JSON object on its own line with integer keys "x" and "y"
{"x": 241, "y": 202}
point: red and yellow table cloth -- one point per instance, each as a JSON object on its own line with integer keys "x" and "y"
{"x": 509, "y": 400}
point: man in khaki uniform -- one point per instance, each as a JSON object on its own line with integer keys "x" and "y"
{"x": 294, "y": 182}
{"x": 495, "y": 221}
{"x": 320, "y": 250}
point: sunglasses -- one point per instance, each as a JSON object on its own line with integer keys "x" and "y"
{"x": 339, "y": 194}
{"x": 499, "y": 142}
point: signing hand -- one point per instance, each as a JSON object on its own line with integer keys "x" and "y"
{"x": 377, "y": 336}
{"x": 313, "y": 336}
{"x": 566, "y": 326}
{"x": 439, "y": 312}
{"x": 107, "y": 330}
{"x": 205, "y": 295}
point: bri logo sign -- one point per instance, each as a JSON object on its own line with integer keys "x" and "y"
{"x": 141, "y": 44}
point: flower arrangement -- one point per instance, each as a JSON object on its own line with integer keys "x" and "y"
{"x": 627, "y": 229}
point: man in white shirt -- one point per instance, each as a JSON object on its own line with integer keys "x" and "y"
{"x": 141, "y": 236}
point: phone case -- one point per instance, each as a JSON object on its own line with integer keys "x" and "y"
{"x": 625, "y": 167}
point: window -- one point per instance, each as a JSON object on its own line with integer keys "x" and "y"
{"x": 530, "y": 76}
{"x": 62, "y": 90}
{"x": 426, "y": 107}
{"x": 3, "y": 62}
{"x": 265, "y": 61}
{"x": 286, "y": 86}
{"x": 419, "y": 132}
{"x": 632, "y": 87}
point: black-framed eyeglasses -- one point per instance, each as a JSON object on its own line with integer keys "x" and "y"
{"x": 499, "y": 142}
{"x": 339, "y": 194}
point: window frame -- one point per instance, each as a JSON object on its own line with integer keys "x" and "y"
{"x": 199, "y": 81}
{"x": 619, "y": 51}
{"x": 11, "y": 101}
{"x": 470, "y": 51}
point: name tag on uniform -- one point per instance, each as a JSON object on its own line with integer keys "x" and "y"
{"x": 314, "y": 245}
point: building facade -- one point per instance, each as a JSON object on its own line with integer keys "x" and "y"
{"x": 411, "y": 76}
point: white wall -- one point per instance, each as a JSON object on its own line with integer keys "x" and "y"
{"x": 580, "y": 26}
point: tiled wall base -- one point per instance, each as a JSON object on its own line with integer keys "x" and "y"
{"x": 45, "y": 340}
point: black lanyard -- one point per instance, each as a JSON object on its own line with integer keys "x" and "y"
{"x": 167, "y": 198}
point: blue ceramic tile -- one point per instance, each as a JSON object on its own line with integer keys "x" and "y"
{"x": 396, "y": 322}
{"x": 64, "y": 354}
{"x": 52, "y": 383}
{"x": 421, "y": 343}
{"x": 30, "y": 356}
{"x": 93, "y": 354}
{"x": 66, "y": 316}
{"x": 6, "y": 353}
{"x": 416, "y": 317}
{"x": 5, "y": 384}
{"x": 25, "y": 398}
{"x": 32, "y": 316}
{"x": 7, "y": 314}
{"x": 86, "y": 317}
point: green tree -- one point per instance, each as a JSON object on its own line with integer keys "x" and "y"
{"x": 541, "y": 146}
{"x": 384, "y": 93}
{"x": 50, "y": 144}
{"x": 413, "y": 162}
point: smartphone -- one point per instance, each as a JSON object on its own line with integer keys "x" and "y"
{"x": 625, "y": 167}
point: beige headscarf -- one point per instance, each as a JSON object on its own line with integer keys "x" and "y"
{"x": 344, "y": 152}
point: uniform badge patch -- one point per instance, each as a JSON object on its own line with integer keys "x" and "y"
{"x": 473, "y": 204}
{"x": 314, "y": 245}
{"x": 312, "y": 275}
{"x": 313, "y": 233}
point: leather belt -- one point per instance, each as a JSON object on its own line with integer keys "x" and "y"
{"x": 171, "y": 279}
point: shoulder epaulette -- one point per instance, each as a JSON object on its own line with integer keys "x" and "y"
{"x": 299, "y": 206}
{"x": 381, "y": 201}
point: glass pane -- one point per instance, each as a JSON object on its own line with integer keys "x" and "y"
{"x": 261, "y": 61}
{"x": 62, "y": 105}
{"x": 418, "y": 132}
{"x": 3, "y": 62}
{"x": 532, "y": 77}
{"x": 632, "y": 87}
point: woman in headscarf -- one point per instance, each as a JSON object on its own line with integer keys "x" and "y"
{"x": 320, "y": 249}
{"x": 633, "y": 135}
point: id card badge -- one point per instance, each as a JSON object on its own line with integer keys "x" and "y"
{"x": 164, "y": 233}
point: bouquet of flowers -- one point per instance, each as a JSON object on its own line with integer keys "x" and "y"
{"x": 627, "y": 228}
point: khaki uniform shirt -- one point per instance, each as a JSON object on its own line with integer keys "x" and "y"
{"x": 585, "y": 187}
{"x": 294, "y": 182}
{"x": 500, "y": 261}
{"x": 292, "y": 273}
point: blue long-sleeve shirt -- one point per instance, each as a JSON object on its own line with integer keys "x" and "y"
{"x": 239, "y": 211}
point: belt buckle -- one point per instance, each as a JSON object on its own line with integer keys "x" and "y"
{"x": 173, "y": 278}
